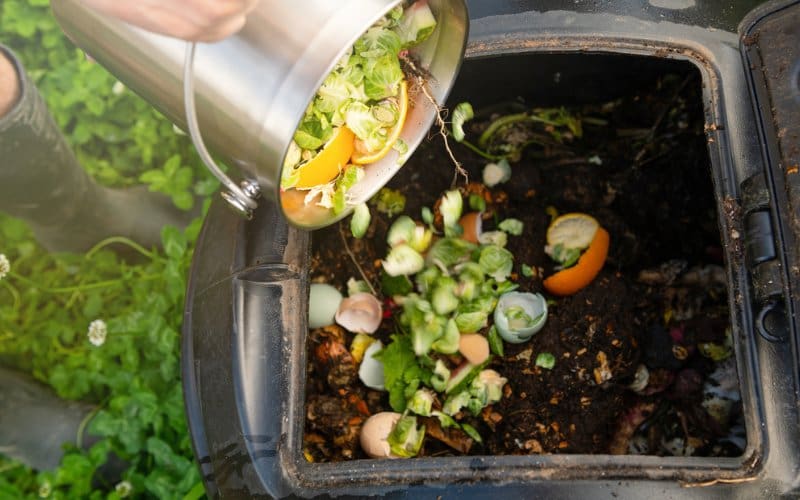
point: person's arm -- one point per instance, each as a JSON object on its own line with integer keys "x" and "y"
{"x": 193, "y": 20}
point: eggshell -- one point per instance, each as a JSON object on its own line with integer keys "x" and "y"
{"x": 323, "y": 302}
{"x": 374, "y": 433}
{"x": 534, "y": 306}
{"x": 371, "y": 370}
{"x": 360, "y": 313}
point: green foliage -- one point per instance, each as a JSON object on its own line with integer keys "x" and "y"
{"x": 401, "y": 370}
{"x": 47, "y": 301}
{"x": 46, "y": 304}
{"x": 118, "y": 138}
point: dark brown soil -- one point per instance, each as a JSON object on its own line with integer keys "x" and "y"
{"x": 653, "y": 193}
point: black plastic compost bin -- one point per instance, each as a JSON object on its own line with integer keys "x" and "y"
{"x": 245, "y": 320}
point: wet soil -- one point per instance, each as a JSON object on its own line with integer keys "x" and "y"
{"x": 642, "y": 170}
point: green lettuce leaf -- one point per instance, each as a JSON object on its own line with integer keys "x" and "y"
{"x": 405, "y": 440}
{"x": 312, "y": 134}
{"x": 382, "y": 78}
{"x": 496, "y": 262}
{"x": 416, "y": 24}
{"x": 378, "y": 42}
{"x": 461, "y": 114}
{"x": 360, "y": 220}
{"x": 400, "y": 368}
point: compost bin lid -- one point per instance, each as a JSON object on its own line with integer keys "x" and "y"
{"x": 770, "y": 48}
{"x": 770, "y": 42}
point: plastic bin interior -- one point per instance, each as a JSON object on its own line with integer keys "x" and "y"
{"x": 244, "y": 329}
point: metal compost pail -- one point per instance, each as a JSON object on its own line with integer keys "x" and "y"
{"x": 252, "y": 89}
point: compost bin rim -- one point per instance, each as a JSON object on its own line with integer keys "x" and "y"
{"x": 534, "y": 468}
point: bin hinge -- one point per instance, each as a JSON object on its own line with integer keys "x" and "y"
{"x": 766, "y": 274}
{"x": 759, "y": 240}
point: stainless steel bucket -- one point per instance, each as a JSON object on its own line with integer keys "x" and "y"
{"x": 252, "y": 88}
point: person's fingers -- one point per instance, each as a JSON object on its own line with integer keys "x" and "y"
{"x": 220, "y": 31}
{"x": 210, "y": 13}
{"x": 251, "y": 4}
{"x": 194, "y": 20}
{"x": 164, "y": 20}
{"x": 156, "y": 18}
{"x": 229, "y": 17}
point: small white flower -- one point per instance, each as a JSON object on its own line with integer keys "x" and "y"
{"x": 97, "y": 332}
{"x": 123, "y": 488}
{"x": 45, "y": 489}
{"x": 5, "y": 266}
{"x": 118, "y": 88}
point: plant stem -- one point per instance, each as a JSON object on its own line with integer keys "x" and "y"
{"x": 481, "y": 152}
{"x": 443, "y": 132}
{"x": 125, "y": 241}
{"x": 498, "y": 124}
{"x": 85, "y": 422}
{"x": 77, "y": 288}
{"x": 355, "y": 261}
{"x": 11, "y": 465}
{"x": 14, "y": 294}
{"x": 589, "y": 120}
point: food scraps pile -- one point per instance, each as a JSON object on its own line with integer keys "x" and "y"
{"x": 357, "y": 115}
{"x": 486, "y": 321}
{"x": 456, "y": 305}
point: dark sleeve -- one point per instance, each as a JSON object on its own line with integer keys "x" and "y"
{"x": 43, "y": 183}
{"x": 37, "y": 168}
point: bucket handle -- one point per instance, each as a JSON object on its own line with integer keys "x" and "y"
{"x": 242, "y": 197}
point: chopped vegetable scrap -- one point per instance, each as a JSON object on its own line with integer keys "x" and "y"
{"x": 457, "y": 305}
{"x": 472, "y": 226}
{"x": 358, "y": 113}
{"x": 449, "y": 290}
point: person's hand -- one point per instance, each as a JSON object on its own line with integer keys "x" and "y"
{"x": 9, "y": 84}
{"x": 193, "y": 20}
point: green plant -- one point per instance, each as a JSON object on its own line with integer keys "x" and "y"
{"x": 129, "y": 365}
{"x": 51, "y": 307}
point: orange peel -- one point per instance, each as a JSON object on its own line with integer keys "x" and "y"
{"x": 329, "y": 162}
{"x": 571, "y": 280}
